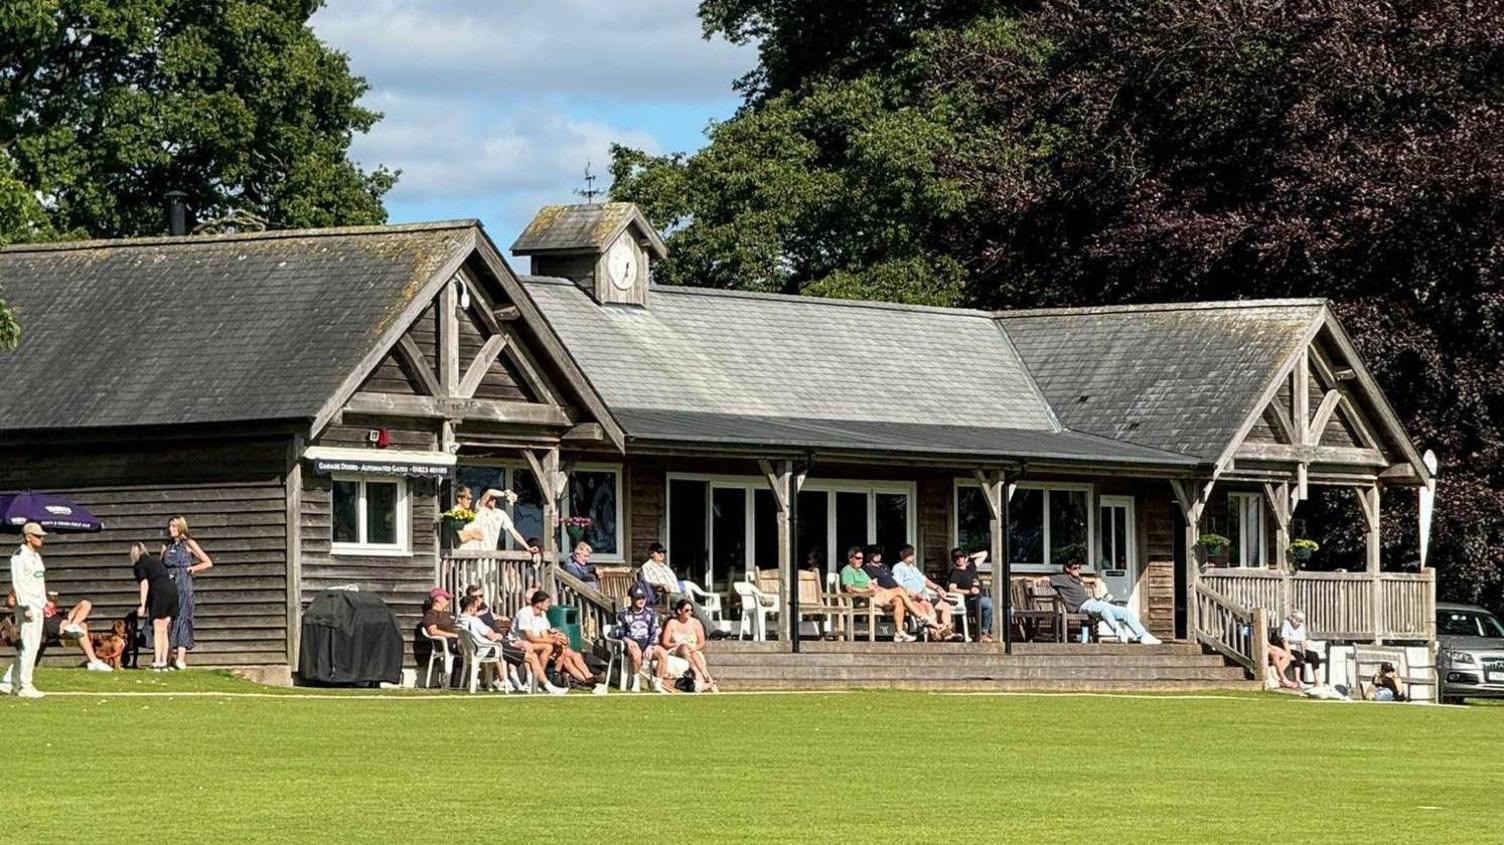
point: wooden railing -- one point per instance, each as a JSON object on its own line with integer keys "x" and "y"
{"x": 1351, "y": 606}
{"x": 1236, "y": 632}
{"x": 597, "y": 612}
{"x": 507, "y": 578}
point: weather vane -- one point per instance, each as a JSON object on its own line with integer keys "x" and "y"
{"x": 590, "y": 191}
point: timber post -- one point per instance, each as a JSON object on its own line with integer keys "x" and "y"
{"x": 293, "y": 483}
{"x": 1368, "y": 500}
{"x": 781, "y": 482}
{"x": 1192, "y": 497}
{"x": 992, "y": 482}
{"x": 551, "y": 484}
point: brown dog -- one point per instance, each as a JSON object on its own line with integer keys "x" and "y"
{"x": 110, "y": 647}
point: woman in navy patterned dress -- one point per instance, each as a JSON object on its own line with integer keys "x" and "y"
{"x": 184, "y": 559}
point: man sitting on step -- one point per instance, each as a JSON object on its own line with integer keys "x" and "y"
{"x": 1073, "y": 595}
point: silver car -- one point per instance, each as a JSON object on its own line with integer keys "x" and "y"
{"x": 1470, "y": 656}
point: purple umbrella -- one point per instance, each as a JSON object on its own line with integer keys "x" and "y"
{"x": 51, "y": 512}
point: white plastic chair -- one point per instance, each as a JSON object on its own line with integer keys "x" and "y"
{"x": 957, "y": 601}
{"x": 440, "y": 655}
{"x": 618, "y": 659}
{"x": 474, "y": 659}
{"x": 708, "y": 601}
{"x": 756, "y": 605}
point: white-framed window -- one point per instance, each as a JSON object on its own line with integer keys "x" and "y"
{"x": 526, "y": 513}
{"x": 1245, "y": 529}
{"x": 719, "y": 526}
{"x": 595, "y": 492}
{"x": 371, "y": 516}
{"x": 1049, "y": 523}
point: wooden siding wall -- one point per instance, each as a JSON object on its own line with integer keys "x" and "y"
{"x": 402, "y": 582}
{"x": 1156, "y": 518}
{"x": 230, "y": 492}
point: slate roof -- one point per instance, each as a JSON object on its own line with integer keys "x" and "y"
{"x": 1181, "y": 378}
{"x": 576, "y": 227}
{"x": 797, "y": 358}
{"x": 167, "y": 331}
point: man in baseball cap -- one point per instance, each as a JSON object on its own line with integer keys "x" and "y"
{"x": 28, "y": 579}
{"x": 438, "y": 622}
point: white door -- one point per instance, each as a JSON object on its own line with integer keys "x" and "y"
{"x": 1117, "y": 555}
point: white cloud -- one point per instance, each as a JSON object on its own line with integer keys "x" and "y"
{"x": 493, "y": 108}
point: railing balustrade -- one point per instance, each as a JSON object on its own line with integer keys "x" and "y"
{"x": 508, "y": 579}
{"x": 1236, "y": 632}
{"x": 1351, "y": 606}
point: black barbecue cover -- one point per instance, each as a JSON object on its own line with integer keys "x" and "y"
{"x": 350, "y": 638}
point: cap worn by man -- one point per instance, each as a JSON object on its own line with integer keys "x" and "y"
{"x": 33, "y": 529}
{"x": 439, "y": 593}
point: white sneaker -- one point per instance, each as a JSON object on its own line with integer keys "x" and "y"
{"x": 99, "y": 666}
{"x": 1149, "y": 639}
{"x": 4, "y": 688}
{"x": 636, "y": 683}
{"x": 30, "y": 692}
{"x": 179, "y": 665}
{"x": 553, "y": 690}
{"x": 902, "y": 637}
{"x": 656, "y": 683}
{"x": 601, "y": 689}
{"x": 72, "y": 629}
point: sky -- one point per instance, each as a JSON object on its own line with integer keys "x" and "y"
{"x": 493, "y": 107}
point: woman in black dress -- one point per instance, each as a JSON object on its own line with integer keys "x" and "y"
{"x": 159, "y": 601}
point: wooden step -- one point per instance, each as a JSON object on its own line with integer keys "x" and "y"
{"x": 1106, "y": 686}
{"x": 971, "y": 660}
{"x": 1010, "y": 673}
{"x": 862, "y": 646}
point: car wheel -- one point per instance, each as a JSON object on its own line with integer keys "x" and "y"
{"x": 1451, "y": 699}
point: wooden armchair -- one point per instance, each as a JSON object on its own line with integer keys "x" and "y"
{"x": 1042, "y": 597}
{"x": 1030, "y": 620}
{"x": 824, "y": 608}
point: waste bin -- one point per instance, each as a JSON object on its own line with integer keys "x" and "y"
{"x": 566, "y": 619}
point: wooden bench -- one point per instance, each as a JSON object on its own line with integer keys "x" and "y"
{"x": 1367, "y": 659}
{"x": 826, "y": 609}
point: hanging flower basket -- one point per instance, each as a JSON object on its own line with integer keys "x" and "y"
{"x": 1302, "y": 549}
{"x": 1214, "y": 544}
{"x": 575, "y": 527}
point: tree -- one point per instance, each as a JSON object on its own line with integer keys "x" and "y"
{"x": 1122, "y": 151}
{"x": 105, "y": 105}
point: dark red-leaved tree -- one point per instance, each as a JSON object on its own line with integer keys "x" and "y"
{"x": 1353, "y": 150}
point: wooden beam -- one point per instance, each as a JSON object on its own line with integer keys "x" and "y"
{"x": 506, "y": 314}
{"x": 1300, "y": 397}
{"x": 587, "y": 432}
{"x": 1282, "y": 425}
{"x": 449, "y": 340}
{"x": 407, "y": 349}
{"x": 1278, "y": 498}
{"x": 1399, "y": 472}
{"x": 462, "y": 410}
{"x": 478, "y": 368}
{"x": 1288, "y": 453}
{"x": 993, "y": 492}
{"x": 1324, "y": 413}
{"x": 776, "y": 483}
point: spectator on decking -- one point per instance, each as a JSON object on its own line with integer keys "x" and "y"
{"x": 552, "y": 646}
{"x": 578, "y": 563}
{"x": 912, "y": 578}
{"x": 491, "y": 521}
{"x": 883, "y": 579}
{"x": 856, "y": 581}
{"x": 1072, "y": 593}
{"x": 159, "y": 601}
{"x": 637, "y": 628}
{"x": 660, "y": 578}
{"x": 962, "y": 579}
{"x": 488, "y": 642}
{"x": 184, "y": 559}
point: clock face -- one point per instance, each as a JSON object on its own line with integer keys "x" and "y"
{"x": 621, "y": 265}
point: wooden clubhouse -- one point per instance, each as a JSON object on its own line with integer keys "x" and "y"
{"x": 308, "y": 399}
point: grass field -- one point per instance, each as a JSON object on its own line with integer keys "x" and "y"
{"x": 200, "y": 757}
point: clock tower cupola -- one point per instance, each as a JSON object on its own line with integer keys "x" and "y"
{"x": 605, "y": 248}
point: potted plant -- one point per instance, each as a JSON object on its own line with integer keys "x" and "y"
{"x": 575, "y": 527}
{"x": 1302, "y": 549}
{"x": 1214, "y": 544}
{"x": 453, "y": 520}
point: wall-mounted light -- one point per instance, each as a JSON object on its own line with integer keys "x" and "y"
{"x": 462, "y": 292}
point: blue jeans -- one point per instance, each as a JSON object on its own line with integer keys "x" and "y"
{"x": 981, "y": 604}
{"x": 1115, "y": 616}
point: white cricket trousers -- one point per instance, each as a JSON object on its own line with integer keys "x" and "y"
{"x": 26, "y": 652}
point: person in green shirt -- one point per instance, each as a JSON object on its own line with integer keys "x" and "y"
{"x": 856, "y": 582}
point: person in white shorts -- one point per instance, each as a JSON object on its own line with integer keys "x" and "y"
{"x": 28, "y": 577}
